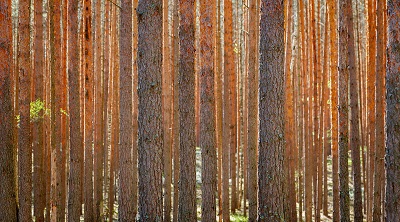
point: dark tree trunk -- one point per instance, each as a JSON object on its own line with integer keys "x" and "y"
{"x": 187, "y": 153}
{"x": 24, "y": 132}
{"x": 75, "y": 139}
{"x": 272, "y": 192}
{"x": 393, "y": 114}
{"x": 207, "y": 112}
{"x": 150, "y": 109}
{"x": 8, "y": 201}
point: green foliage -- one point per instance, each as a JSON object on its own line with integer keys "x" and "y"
{"x": 38, "y": 110}
{"x": 238, "y": 218}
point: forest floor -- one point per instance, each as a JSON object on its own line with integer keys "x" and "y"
{"x": 238, "y": 216}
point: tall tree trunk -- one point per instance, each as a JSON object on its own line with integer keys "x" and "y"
{"x": 127, "y": 212}
{"x": 345, "y": 13}
{"x": 290, "y": 116}
{"x": 150, "y": 109}
{"x": 167, "y": 113}
{"x": 37, "y": 130}
{"x": 379, "y": 112}
{"x": 56, "y": 214}
{"x": 253, "y": 111}
{"x": 8, "y": 200}
{"x": 272, "y": 192}
{"x": 98, "y": 113}
{"x": 218, "y": 103}
{"x": 355, "y": 119}
{"x": 75, "y": 139}
{"x": 175, "y": 128}
{"x": 187, "y": 175}
{"x": 333, "y": 58}
{"x": 88, "y": 110}
{"x": 24, "y": 132}
{"x": 207, "y": 111}
{"x": 393, "y": 114}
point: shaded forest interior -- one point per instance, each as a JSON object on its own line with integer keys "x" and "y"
{"x": 185, "y": 110}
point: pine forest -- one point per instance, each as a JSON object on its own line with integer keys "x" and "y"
{"x": 200, "y": 110}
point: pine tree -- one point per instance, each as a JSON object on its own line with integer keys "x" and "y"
{"x": 393, "y": 114}
{"x": 207, "y": 111}
{"x": 75, "y": 139}
{"x": 127, "y": 211}
{"x": 24, "y": 132}
{"x": 272, "y": 192}
{"x": 8, "y": 201}
{"x": 187, "y": 152}
{"x": 150, "y": 109}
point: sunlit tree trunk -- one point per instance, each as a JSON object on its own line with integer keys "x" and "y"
{"x": 56, "y": 213}
{"x": 333, "y": 60}
{"x": 290, "y": 116}
{"x": 88, "y": 110}
{"x": 379, "y": 112}
{"x": 98, "y": 113}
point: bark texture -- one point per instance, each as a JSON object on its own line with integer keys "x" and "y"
{"x": 272, "y": 192}
{"x": 8, "y": 201}
{"x": 392, "y": 201}
{"x": 207, "y": 112}
{"x": 187, "y": 153}
{"x": 127, "y": 211}
{"x": 75, "y": 138}
{"x": 343, "y": 108}
{"x": 24, "y": 132}
{"x": 150, "y": 109}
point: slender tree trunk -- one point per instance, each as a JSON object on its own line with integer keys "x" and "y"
{"x": 175, "y": 128}
{"x": 37, "y": 130}
{"x": 187, "y": 175}
{"x": 64, "y": 112}
{"x": 56, "y": 213}
{"x": 393, "y": 114}
{"x": 75, "y": 139}
{"x": 333, "y": 58}
{"x": 98, "y": 113}
{"x": 88, "y": 110}
{"x": 290, "y": 116}
{"x": 24, "y": 132}
{"x": 345, "y": 13}
{"x": 354, "y": 120}
{"x": 150, "y": 109}
{"x": 218, "y": 103}
{"x": 167, "y": 113}
{"x": 207, "y": 112}
{"x": 253, "y": 111}
{"x": 379, "y": 113}
{"x": 8, "y": 200}
{"x": 127, "y": 212}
